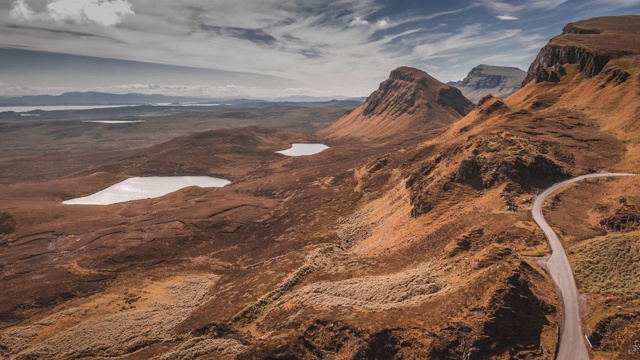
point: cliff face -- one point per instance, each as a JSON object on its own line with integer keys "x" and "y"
{"x": 483, "y": 80}
{"x": 409, "y": 99}
{"x": 589, "y": 45}
{"x": 548, "y": 65}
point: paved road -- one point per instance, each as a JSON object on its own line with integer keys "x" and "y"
{"x": 572, "y": 343}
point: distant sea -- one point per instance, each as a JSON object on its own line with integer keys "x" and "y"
{"x": 22, "y": 109}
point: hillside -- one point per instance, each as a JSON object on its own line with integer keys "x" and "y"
{"x": 482, "y": 80}
{"x": 409, "y": 100}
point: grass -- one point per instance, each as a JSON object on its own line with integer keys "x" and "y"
{"x": 609, "y": 265}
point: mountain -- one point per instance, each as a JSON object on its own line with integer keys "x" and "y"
{"x": 409, "y": 100}
{"x": 483, "y": 80}
{"x": 95, "y": 98}
{"x": 311, "y": 99}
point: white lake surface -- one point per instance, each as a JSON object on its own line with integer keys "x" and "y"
{"x": 304, "y": 149}
{"x": 139, "y": 188}
{"x": 114, "y": 121}
{"x": 21, "y": 109}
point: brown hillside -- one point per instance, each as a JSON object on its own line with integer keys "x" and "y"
{"x": 593, "y": 68}
{"x": 409, "y": 100}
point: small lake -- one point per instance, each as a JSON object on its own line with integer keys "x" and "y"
{"x": 139, "y": 188}
{"x": 304, "y": 149}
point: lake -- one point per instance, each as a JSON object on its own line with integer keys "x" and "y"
{"x": 139, "y": 188}
{"x": 304, "y": 149}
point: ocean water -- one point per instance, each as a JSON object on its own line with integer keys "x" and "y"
{"x": 22, "y": 109}
{"x": 304, "y": 149}
{"x": 139, "y": 188}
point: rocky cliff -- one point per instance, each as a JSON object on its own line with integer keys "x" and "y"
{"x": 483, "y": 79}
{"x": 589, "y": 45}
{"x": 409, "y": 100}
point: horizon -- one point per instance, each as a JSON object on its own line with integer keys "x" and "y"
{"x": 268, "y": 48}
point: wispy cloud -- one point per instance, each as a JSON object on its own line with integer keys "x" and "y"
{"x": 507, "y": 17}
{"x": 257, "y": 36}
{"x": 101, "y": 12}
{"x": 512, "y": 7}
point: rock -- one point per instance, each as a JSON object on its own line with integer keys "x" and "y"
{"x": 590, "y": 64}
{"x": 585, "y": 46}
{"x": 7, "y": 224}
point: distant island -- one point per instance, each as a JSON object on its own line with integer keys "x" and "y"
{"x": 93, "y": 98}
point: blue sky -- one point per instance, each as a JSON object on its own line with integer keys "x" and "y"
{"x": 270, "y": 48}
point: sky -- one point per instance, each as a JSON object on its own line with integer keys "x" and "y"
{"x": 268, "y": 48}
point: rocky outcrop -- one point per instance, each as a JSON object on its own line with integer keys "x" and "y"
{"x": 7, "y": 224}
{"x": 490, "y": 105}
{"x": 454, "y": 99}
{"x": 584, "y": 45}
{"x": 393, "y": 97}
{"x": 603, "y": 336}
{"x": 549, "y": 63}
{"x": 625, "y": 219}
{"x": 483, "y": 80}
{"x": 517, "y": 317}
{"x": 482, "y": 171}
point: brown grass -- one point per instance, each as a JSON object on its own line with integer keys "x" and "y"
{"x": 609, "y": 265}
{"x": 131, "y": 323}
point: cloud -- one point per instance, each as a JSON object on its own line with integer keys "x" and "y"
{"x": 358, "y": 21}
{"x": 341, "y": 47}
{"x": 383, "y": 23}
{"x": 21, "y": 10}
{"x": 106, "y": 13}
{"x": 257, "y": 36}
{"x": 512, "y": 7}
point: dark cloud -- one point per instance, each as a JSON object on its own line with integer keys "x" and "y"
{"x": 257, "y": 36}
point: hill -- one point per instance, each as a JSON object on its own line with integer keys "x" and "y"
{"x": 409, "y": 100}
{"x": 483, "y": 80}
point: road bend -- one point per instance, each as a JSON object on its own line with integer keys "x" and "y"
{"x": 572, "y": 342}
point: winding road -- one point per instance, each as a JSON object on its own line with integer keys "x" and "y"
{"x": 572, "y": 342}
